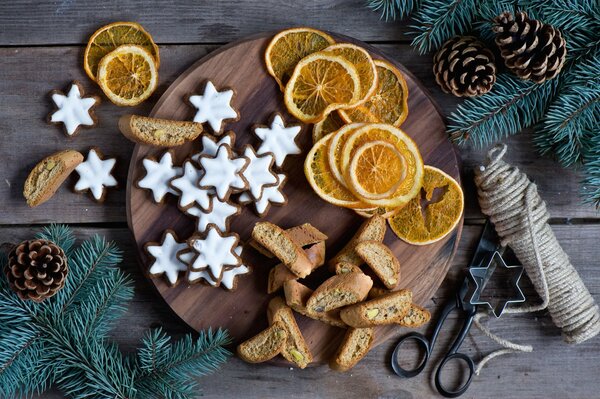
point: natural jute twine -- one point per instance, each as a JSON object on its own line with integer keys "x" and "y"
{"x": 512, "y": 203}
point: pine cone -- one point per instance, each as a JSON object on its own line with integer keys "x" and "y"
{"x": 531, "y": 49}
{"x": 464, "y": 67}
{"x": 36, "y": 269}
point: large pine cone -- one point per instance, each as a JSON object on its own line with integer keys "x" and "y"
{"x": 531, "y": 49}
{"x": 36, "y": 269}
{"x": 464, "y": 67}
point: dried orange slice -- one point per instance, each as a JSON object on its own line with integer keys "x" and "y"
{"x": 382, "y": 211}
{"x": 376, "y": 170}
{"x": 328, "y": 125}
{"x": 321, "y": 83}
{"x": 338, "y": 140}
{"x": 443, "y": 208}
{"x": 362, "y": 61}
{"x": 388, "y": 104}
{"x": 322, "y": 181}
{"x": 411, "y": 184}
{"x": 288, "y": 47}
{"x": 111, "y": 36}
{"x": 128, "y": 75}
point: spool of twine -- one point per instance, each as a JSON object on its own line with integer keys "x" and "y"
{"x": 511, "y": 201}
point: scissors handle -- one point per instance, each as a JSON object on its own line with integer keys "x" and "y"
{"x": 425, "y": 347}
{"x": 456, "y": 392}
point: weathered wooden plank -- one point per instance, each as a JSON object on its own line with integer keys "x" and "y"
{"x": 29, "y": 22}
{"x": 553, "y": 370}
{"x": 28, "y": 74}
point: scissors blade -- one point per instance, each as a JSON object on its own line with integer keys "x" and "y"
{"x": 488, "y": 244}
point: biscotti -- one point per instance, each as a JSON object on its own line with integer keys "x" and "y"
{"x": 339, "y": 291}
{"x": 356, "y": 344}
{"x": 47, "y": 176}
{"x": 372, "y": 229}
{"x": 304, "y": 235}
{"x": 381, "y": 260}
{"x": 265, "y": 345}
{"x": 296, "y": 295}
{"x": 279, "y": 274}
{"x": 386, "y": 309}
{"x": 295, "y": 350}
{"x": 158, "y": 132}
{"x": 343, "y": 268}
{"x": 279, "y": 243}
{"x": 416, "y": 317}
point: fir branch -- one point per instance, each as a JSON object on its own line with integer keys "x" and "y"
{"x": 60, "y": 234}
{"x": 392, "y": 9}
{"x": 512, "y": 105}
{"x": 439, "y": 20}
{"x": 566, "y": 15}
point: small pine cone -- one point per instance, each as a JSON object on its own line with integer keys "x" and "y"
{"x": 464, "y": 67}
{"x": 531, "y": 49}
{"x": 36, "y": 269}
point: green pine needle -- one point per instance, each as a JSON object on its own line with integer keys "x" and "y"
{"x": 393, "y": 9}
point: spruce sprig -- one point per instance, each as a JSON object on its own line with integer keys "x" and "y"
{"x": 393, "y": 9}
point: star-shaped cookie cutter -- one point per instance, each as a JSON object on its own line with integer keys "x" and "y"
{"x": 482, "y": 275}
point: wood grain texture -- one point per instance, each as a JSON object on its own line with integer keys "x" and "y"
{"x": 240, "y": 66}
{"x": 553, "y": 370}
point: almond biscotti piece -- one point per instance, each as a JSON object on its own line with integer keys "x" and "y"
{"x": 376, "y": 292}
{"x": 279, "y": 274}
{"x": 158, "y": 132}
{"x": 381, "y": 260}
{"x": 296, "y": 295}
{"x": 372, "y": 229}
{"x": 386, "y": 309}
{"x": 265, "y": 345}
{"x": 47, "y": 176}
{"x": 339, "y": 291}
{"x": 295, "y": 350}
{"x": 343, "y": 268}
{"x": 416, "y": 317}
{"x": 304, "y": 235}
{"x": 356, "y": 344}
{"x": 279, "y": 243}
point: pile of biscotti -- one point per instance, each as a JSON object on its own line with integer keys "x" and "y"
{"x": 348, "y": 299}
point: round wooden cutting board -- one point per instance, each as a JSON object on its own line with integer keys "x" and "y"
{"x": 240, "y": 66}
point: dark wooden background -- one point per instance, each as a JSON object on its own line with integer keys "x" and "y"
{"x": 41, "y": 47}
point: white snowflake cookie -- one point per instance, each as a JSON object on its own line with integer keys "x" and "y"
{"x": 228, "y": 279}
{"x": 259, "y": 172}
{"x": 211, "y": 144}
{"x": 159, "y": 175}
{"x": 190, "y": 193}
{"x": 165, "y": 260}
{"x": 73, "y": 110}
{"x": 95, "y": 174}
{"x": 224, "y": 172}
{"x": 219, "y": 216}
{"x": 215, "y": 252}
{"x": 278, "y": 139}
{"x": 271, "y": 196}
{"x": 214, "y": 107}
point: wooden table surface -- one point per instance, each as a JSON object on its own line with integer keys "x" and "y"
{"x": 41, "y": 47}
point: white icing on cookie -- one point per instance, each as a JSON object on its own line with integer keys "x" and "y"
{"x": 73, "y": 110}
{"x": 278, "y": 139}
{"x": 214, "y": 253}
{"x": 228, "y": 277}
{"x": 187, "y": 185}
{"x": 270, "y": 195}
{"x": 95, "y": 174}
{"x": 213, "y": 107}
{"x": 223, "y": 172}
{"x": 218, "y": 216}
{"x": 210, "y": 145}
{"x": 158, "y": 176}
{"x": 165, "y": 258}
{"x": 258, "y": 173}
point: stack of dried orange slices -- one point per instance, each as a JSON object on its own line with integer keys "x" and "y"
{"x": 361, "y": 159}
{"x": 123, "y": 59}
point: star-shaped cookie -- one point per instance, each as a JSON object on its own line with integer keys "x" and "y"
{"x": 223, "y": 172}
{"x": 95, "y": 174}
{"x": 74, "y": 109}
{"x": 259, "y": 172}
{"x": 271, "y": 195}
{"x": 211, "y": 144}
{"x": 165, "y": 259}
{"x": 159, "y": 175}
{"x": 213, "y": 107}
{"x": 187, "y": 185}
{"x": 219, "y": 215}
{"x": 228, "y": 279}
{"x": 215, "y": 252}
{"x": 278, "y": 139}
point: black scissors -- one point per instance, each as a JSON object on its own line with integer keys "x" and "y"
{"x": 488, "y": 245}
